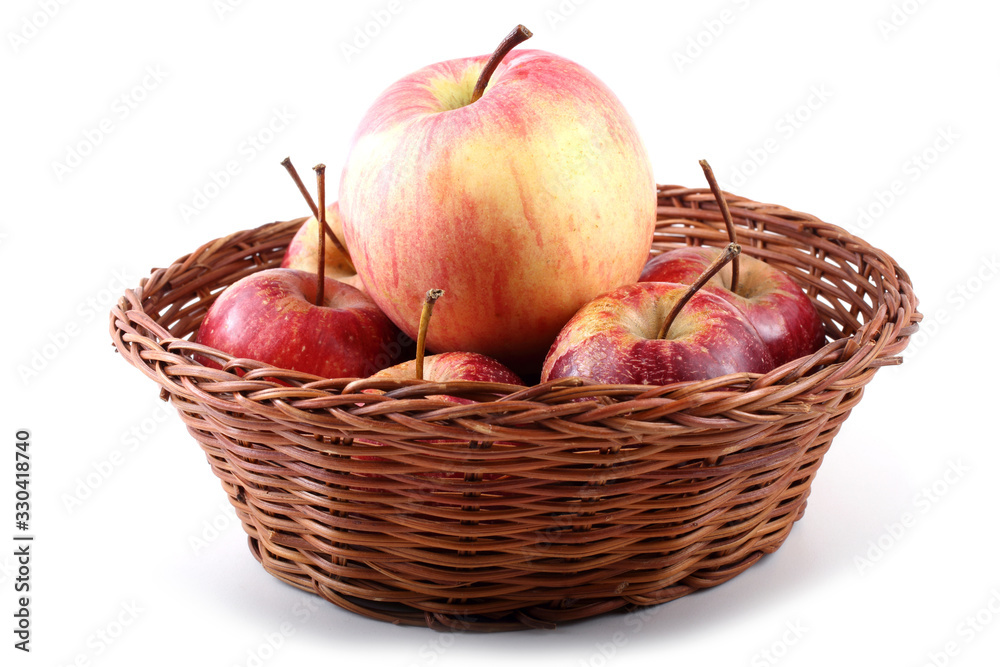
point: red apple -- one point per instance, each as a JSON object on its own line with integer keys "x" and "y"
{"x": 270, "y": 316}
{"x": 779, "y": 310}
{"x": 523, "y": 204}
{"x": 449, "y": 366}
{"x": 303, "y": 251}
{"x": 446, "y": 366}
{"x": 613, "y": 339}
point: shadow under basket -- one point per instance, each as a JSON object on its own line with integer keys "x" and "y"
{"x": 531, "y": 506}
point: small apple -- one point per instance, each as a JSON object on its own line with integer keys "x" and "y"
{"x": 517, "y": 182}
{"x": 657, "y": 333}
{"x": 446, "y": 366}
{"x": 303, "y": 250}
{"x": 272, "y": 316}
{"x": 779, "y": 310}
{"x": 449, "y": 366}
{"x": 784, "y": 317}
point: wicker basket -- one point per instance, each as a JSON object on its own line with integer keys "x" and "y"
{"x": 531, "y": 506}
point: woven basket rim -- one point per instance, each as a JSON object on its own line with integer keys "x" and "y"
{"x": 268, "y": 382}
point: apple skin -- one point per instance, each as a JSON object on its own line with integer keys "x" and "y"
{"x": 448, "y": 366}
{"x": 303, "y": 250}
{"x": 522, "y": 206}
{"x": 779, "y": 310}
{"x": 270, "y": 316}
{"x": 612, "y": 339}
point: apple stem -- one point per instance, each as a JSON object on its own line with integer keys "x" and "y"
{"x": 425, "y": 317}
{"x": 727, "y": 216}
{"x": 287, "y": 164}
{"x": 515, "y": 37}
{"x": 731, "y": 252}
{"x": 321, "y": 254}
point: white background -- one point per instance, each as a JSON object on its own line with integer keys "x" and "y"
{"x": 882, "y": 107}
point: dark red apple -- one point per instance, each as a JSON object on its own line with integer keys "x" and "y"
{"x": 614, "y": 339}
{"x": 271, "y": 316}
{"x": 782, "y": 314}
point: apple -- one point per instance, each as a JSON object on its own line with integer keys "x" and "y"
{"x": 613, "y": 339}
{"x": 272, "y": 316}
{"x": 303, "y": 250}
{"x": 784, "y": 317}
{"x": 449, "y": 366}
{"x": 446, "y": 366}
{"x": 524, "y": 203}
{"x": 658, "y": 333}
{"x": 782, "y": 314}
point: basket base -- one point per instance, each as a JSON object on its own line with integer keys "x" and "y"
{"x": 546, "y": 616}
{"x": 375, "y": 582}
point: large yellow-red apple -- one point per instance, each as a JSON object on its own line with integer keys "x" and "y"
{"x": 523, "y": 205}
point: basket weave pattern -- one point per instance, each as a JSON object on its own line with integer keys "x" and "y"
{"x": 531, "y": 506}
